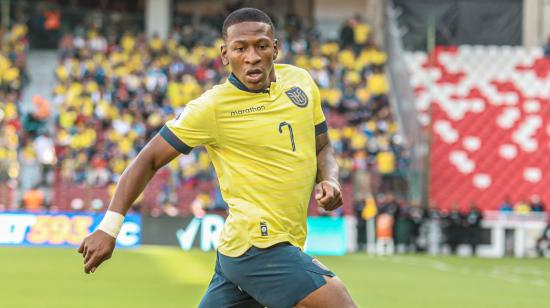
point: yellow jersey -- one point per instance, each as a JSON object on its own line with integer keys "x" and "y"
{"x": 361, "y": 33}
{"x": 262, "y": 145}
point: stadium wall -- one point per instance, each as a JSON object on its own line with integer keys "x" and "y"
{"x": 337, "y": 10}
{"x": 456, "y": 22}
{"x": 536, "y": 22}
{"x": 329, "y": 14}
{"x": 157, "y": 17}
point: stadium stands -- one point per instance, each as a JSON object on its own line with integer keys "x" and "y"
{"x": 12, "y": 80}
{"x": 113, "y": 93}
{"x": 489, "y": 120}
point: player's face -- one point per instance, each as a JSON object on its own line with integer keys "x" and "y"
{"x": 249, "y": 50}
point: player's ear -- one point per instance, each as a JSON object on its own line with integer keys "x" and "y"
{"x": 275, "y": 48}
{"x": 223, "y": 50}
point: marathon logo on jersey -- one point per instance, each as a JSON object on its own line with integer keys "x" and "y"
{"x": 252, "y": 109}
{"x": 297, "y": 96}
{"x": 263, "y": 228}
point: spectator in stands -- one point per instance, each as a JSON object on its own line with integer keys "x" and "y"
{"x": 168, "y": 199}
{"x": 187, "y": 38}
{"x": 389, "y": 205}
{"x": 416, "y": 216}
{"x": 474, "y": 216}
{"x": 9, "y": 141}
{"x": 543, "y": 243}
{"x": 377, "y": 85}
{"x": 536, "y": 204}
{"x": 29, "y": 173}
{"x": 385, "y": 159}
{"x": 45, "y": 151}
{"x": 33, "y": 199}
{"x": 506, "y": 206}
{"x": 403, "y": 227}
{"x": 522, "y": 207}
{"x": 347, "y": 38}
{"x": 199, "y": 205}
{"x": 358, "y": 206}
{"x": 384, "y": 234}
{"x": 98, "y": 174}
{"x": 547, "y": 48}
{"x": 455, "y": 227}
{"x": 361, "y": 32}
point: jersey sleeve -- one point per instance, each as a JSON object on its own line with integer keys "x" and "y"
{"x": 195, "y": 126}
{"x": 318, "y": 116}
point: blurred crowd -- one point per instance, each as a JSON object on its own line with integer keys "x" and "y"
{"x": 115, "y": 91}
{"x": 523, "y": 206}
{"x": 403, "y": 227}
{"x": 13, "y": 78}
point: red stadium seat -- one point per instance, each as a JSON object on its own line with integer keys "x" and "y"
{"x": 491, "y": 133}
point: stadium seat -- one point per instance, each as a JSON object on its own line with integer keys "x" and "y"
{"x": 489, "y": 122}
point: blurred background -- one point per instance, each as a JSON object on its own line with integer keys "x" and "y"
{"x": 438, "y": 110}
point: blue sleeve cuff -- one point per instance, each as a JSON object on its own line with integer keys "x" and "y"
{"x": 321, "y": 128}
{"x": 174, "y": 141}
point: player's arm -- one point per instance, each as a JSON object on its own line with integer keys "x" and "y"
{"x": 327, "y": 191}
{"x": 99, "y": 245}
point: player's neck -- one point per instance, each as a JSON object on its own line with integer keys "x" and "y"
{"x": 241, "y": 86}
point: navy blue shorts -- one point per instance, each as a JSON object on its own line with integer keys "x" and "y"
{"x": 278, "y": 276}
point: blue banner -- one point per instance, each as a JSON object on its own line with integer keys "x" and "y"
{"x": 326, "y": 236}
{"x": 63, "y": 229}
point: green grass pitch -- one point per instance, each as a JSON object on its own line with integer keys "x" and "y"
{"x": 169, "y": 277}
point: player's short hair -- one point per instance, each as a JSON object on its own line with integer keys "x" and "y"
{"x": 243, "y": 15}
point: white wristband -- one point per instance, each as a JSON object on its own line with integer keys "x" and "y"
{"x": 111, "y": 223}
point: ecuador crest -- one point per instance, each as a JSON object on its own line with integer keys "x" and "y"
{"x": 297, "y": 96}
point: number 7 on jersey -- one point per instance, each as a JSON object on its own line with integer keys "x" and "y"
{"x": 281, "y": 126}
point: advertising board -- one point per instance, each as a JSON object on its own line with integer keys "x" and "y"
{"x": 62, "y": 229}
{"x": 326, "y": 235}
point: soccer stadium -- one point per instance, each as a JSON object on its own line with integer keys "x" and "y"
{"x": 241, "y": 153}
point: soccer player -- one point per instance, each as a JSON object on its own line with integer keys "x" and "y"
{"x": 267, "y": 137}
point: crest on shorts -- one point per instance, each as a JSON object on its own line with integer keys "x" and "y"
{"x": 297, "y": 96}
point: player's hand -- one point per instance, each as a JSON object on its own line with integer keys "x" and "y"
{"x": 96, "y": 248}
{"x": 328, "y": 195}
